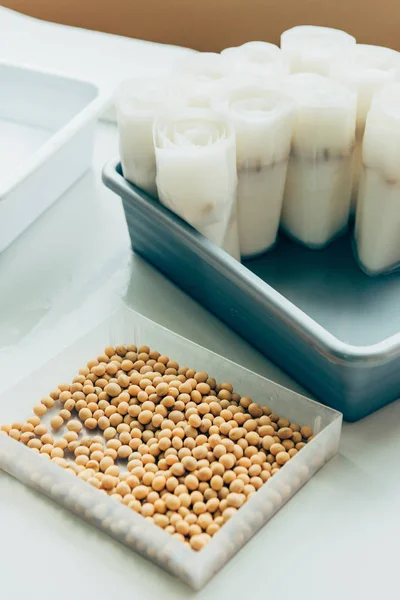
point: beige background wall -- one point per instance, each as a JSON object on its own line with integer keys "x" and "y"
{"x": 216, "y": 24}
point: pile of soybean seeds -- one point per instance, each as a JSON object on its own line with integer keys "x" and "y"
{"x": 167, "y": 441}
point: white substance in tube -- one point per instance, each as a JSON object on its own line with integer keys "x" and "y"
{"x": 263, "y": 123}
{"x": 317, "y": 197}
{"x": 377, "y": 230}
{"x": 196, "y": 169}
{"x": 196, "y": 77}
{"x": 259, "y": 59}
{"x": 231, "y": 241}
{"x": 311, "y": 49}
{"x": 259, "y": 198}
{"x": 138, "y": 101}
{"x": 366, "y": 70}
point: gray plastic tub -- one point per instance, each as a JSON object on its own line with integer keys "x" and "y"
{"x": 314, "y": 313}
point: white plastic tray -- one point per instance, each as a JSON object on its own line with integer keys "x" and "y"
{"x": 119, "y": 521}
{"x": 47, "y": 125}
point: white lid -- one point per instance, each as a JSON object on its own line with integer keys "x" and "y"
{"x": 366, "y": 69}
{"x": 258, "y": 58}
{"x": 313, "y": 90}
{"x": 196, "y": 76}
{"x": 142, "y": 96}
{"x": 313, "y": 36}
{"x": 381, "y": 146}
{"x": 191, "y": 130}
{"x": 311, "y": 48}
{"x": 262, "y": 118}
{"x": 324, "y": 115}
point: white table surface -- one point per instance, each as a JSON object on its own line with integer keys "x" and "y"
{"x": 337, "y": 538}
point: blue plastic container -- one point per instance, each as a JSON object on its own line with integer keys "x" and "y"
{"x": 314, "y": 313}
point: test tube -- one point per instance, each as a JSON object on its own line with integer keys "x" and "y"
{"x": 196, "y": 169}
{"x": 138, "y": 101}
{"x": 366, "y": 70}
{"x": 377, "y": 230}
{"x": 317, "y": 197}
{"x": 262, "y": 119}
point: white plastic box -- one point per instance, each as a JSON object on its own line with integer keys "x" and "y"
{"x": 128, "y": 527}
{"x": 47, "y": 126}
